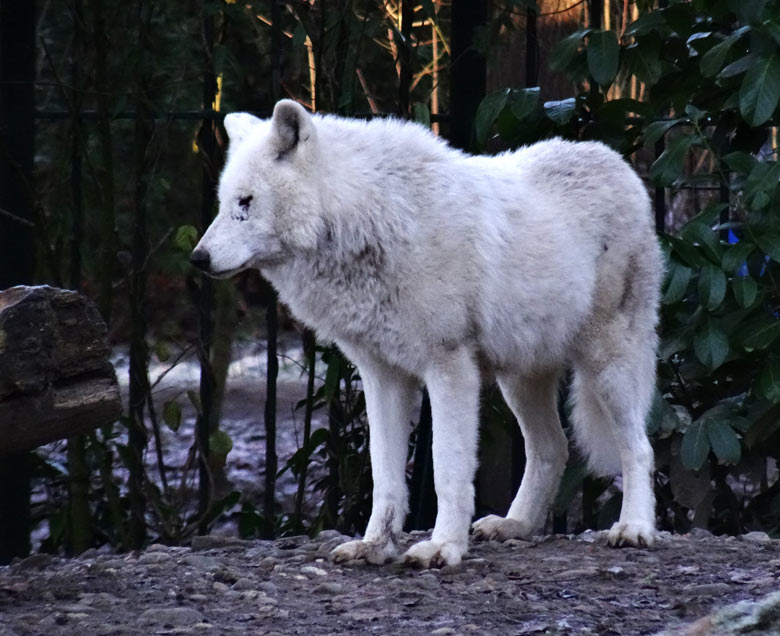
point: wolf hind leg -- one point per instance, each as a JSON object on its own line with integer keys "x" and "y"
{"x": 611, "y": 400}
{"x": 535, "y": 405}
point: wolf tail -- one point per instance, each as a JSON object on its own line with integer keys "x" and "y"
{"x": 613, "y": 381}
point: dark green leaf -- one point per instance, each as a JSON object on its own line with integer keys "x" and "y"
{"x": 712, "y": 61}
{"x": 737, "y": 67}
{"x": 524, "y": 102}
{"x": 162, "y": 351}
{"x": 770, "y": 244}
{"x": 724, "y": 441}
{"x": 687, "y": 252}
{"x": 603, "y": 51}
{"x": 760, "y": 333}
{"x": 220, "y": 445}
{"x": 711, "y": 344}
{"x": 695, "y": 446}
{"x": 695, "y": 114}
{"x": 172, "y": 415}
{"x": 186, "y": 238}
{"x": 761, "y": 182}
{"x": 658, "y": 129}
{"x": 561, "y": 111}
{"x": 563, "y": 52}
{"x": 674, "y": 342}
{"x": 740, "y": 161}
{"x": 706, "y": 238}
{"x": 644, "y": 62}
{"x": 760, "y": 90}
{"x": 735, "y": 256}
{"x": 745, "y": 290}
{"x": 677, "y": 278}
{"x": 768, "y": 383}
{"x": 712, "y": 287}
{"x": 653, "y": 21}
{"x": 669, "y": 166}
{"x": 773, "y": 28}
{"x": 489, "y": 109}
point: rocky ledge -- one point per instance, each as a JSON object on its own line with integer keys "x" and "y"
{"x": 694, "y": 584}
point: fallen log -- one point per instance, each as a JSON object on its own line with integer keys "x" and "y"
{"x": 56, "y": 380}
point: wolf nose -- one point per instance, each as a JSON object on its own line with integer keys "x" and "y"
{"x": 200, "y": 259}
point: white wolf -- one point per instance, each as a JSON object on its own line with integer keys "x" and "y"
{"x": 425, "y": 264}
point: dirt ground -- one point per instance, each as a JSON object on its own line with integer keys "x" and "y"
{"x": 557, "y": 585}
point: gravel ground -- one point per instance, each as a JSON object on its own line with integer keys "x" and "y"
{"x": 555, "y": 585}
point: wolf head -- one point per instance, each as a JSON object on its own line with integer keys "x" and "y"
{"x": 268, "y": 194}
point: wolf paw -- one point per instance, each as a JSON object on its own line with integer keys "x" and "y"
{"x": 638, "y": 535}
{"x": 374, "y": 552}
{"x": 498, "y": 528}
{"x": 431, "y": 554}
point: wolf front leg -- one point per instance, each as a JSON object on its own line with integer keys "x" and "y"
{"x": 453, "y": 384}
{"x": 390, "y": 399}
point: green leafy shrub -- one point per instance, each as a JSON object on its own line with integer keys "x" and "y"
{"x": 712, "y": 74}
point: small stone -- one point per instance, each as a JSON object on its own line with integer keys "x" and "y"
{"x": 329, "y": 587}
{"x": 477, "y": 564}
{"x": 575, "y": 574}
{"x": 482, "y": 586}
{"x": 35, "y": 562}
{"x": 154, "y": 557}
{"x": 219, "y": 586}
{"x": 268, "y": 563}
{"x": 158, "y": 547}
{"x": 327, "y": 535}
{"x": 268, "y": 587}
{"x": 176, "y": 616}
{"x": 201, "y": 562}
{"x": 442, "y": 631}
{"x": 213, "y": 541}
{"x": 89, "y": 553}
{"x": 709, "y": 590}
{"x": 243, "y": 584}
{"x": 427, "y": 581}
{"x": 700, "y": 533}
{"x": 312, "y": 571}
{"x": 590, "y": 536}
{"x": 756, "y": 537}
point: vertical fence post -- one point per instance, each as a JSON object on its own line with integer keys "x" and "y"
{"x": 207, "y": 145}
{"x": 17, "y": 104}
{"x": 80, "y": 530}
{"x": 139, "y": 352}
{"x": 531, "y": 49}
{"x": 468, "y": 72}
{"x": 405, "y": 55}
{"x": 271, "y": 322}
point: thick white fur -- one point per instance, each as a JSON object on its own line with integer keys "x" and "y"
{"x": 425, "y": 264}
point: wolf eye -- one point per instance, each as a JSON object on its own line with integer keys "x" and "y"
{"x": 244, "y": 202}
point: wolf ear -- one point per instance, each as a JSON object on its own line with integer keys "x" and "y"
{"x": 239, "y": 125}
{"x": 291, "y": 125}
